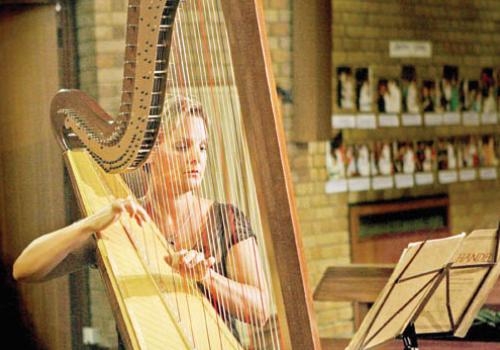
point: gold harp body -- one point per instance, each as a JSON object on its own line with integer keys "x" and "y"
{"x": 98, "y": 147}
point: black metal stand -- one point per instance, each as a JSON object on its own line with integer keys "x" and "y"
{"x": 410, "y": 337}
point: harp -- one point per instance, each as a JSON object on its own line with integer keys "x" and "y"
{"x": 153, "y": 311}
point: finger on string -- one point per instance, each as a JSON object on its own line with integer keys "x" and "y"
{"x": 211, "y": 261}
{"x": 189, "y": 257}
{"x": 197, "y": 261}
{"x": 173, "y": 258}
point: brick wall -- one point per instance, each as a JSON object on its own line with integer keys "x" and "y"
{"x": 462, "y": 33}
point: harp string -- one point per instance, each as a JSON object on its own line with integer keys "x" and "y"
{"x": 199, "y": 82}
{"x": 210, "y": 81}
{"x": 215, "y": 17}
{"x": 219, "y": 71}
{"x": 187, "y": 81}
{"x": 216, "y": 299}
{"x": 217, "y": 114}
{"x": 207, "y": 86}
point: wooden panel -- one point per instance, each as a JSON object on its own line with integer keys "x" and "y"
{"x": 32, "y": 201}
{"x": 363, "y": 283}
{"x": 387, "y": 248}
{"x": 355, "y": 282}
{"x": 312, "y": 92}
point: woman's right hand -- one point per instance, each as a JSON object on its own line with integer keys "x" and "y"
{"x": 111, "y": 213}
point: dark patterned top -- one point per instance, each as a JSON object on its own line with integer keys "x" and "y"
{"x": 226, "y": 226}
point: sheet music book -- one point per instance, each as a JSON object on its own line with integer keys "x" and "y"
{"x": 439, "y": 285}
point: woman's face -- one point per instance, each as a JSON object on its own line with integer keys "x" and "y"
{"x": 181, "y": 156}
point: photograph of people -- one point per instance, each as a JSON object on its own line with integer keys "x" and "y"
{"x": 364, "y": 90}
{"x": 345, "y": 88}
{"x": 488, "y": 151}
{"x": 467, "y": 152}
{"x": 450, "y": 96}
{"x": 383, "y": 158}
{"x": 404, "y": 158}
{"x": 409, "y": 89}
{"x": 336, "y": 159}
{"x": 488, "y": 96}
{"x": 428, "y": 96}
{"x": 425, "y": 156}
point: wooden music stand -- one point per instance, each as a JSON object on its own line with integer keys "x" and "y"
{"x": 437, "y": 287}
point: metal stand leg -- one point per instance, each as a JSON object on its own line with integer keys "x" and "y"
{"x": 410, "y": 338}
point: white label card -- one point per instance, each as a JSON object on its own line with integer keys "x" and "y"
{"x": 470, "y": 118}
{"x": 404, "y": 180}
{"x": 433, "y": 119}
{"x": 410, "y": 48}
{"x": 388, "y": 120}
{"x": 451, "y": 118}
{"x": 488, "y": 173}
{"x": 489, "y": 118}
{"x": 359, "y": 184}
{"x": 447, "y": 176}
{"x": 409, "y": 119}
{"x": 343, "y": 121}
{"x": 336, "y": 186}
{"x": 366, "y": 121}
{"x": 422, "y": 179}
{"x": 382, "y": 182}
{"x": 467, "y": 174}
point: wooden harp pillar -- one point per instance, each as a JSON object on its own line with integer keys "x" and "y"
{"x": 263, "y": 124}
{"x": 81, "y": 124}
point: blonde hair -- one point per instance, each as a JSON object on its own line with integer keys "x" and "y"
{"x": 177, "y": 107}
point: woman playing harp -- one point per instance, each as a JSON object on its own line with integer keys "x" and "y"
{"x": 213, "y": 242}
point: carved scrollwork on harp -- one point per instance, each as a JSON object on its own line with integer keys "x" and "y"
{"x": 123, "y": 143}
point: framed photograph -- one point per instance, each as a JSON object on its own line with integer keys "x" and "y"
{"x": 358, "y": 171}
{"x": 450, "y": 90}
{"x": 382, "y": 158}
{"x": 467, "y": 157}
{"x": 488, "y": 151}
{"x": 425, "y": 156}
{"x": 446, "y": 160}
{"x": 470, "y": 96}
{"x": 388, "y": 96}
{"x": 425, "y": 162}
{"x": 488, "y": 91}
{"x": 345, "y": 89}
{"x": 336, "y": 159}
{"x": 409, "y": 102}
{"x": 382, "y": 165}
{"x": 428, "y": 96}
{"x": 488, "y": 157}
{"x": 404, "y": 157}
{"x": 336, "y": 162}
{"x": 445, "y": 154}
{"x": 404, "y": 163}
{"x": 364, "y": 90}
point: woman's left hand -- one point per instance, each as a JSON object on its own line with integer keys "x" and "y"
{"x": 191, "y": 264}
